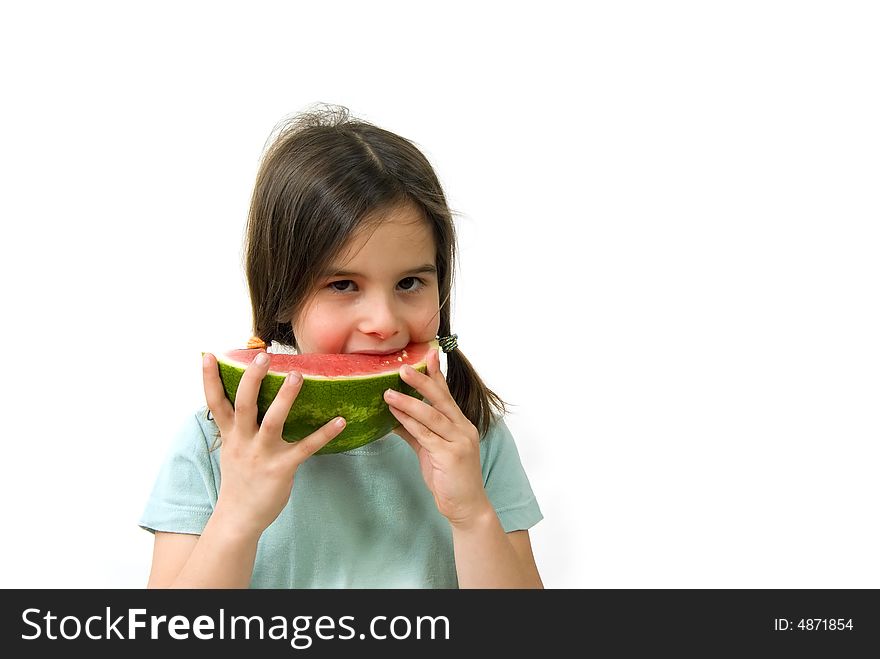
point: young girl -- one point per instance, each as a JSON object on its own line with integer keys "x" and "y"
{"x": 350, "y": 248}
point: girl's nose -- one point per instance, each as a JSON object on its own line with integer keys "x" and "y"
{"x": 380, "y": 318}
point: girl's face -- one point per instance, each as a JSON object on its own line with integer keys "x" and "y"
{"x": 380, "y": 294}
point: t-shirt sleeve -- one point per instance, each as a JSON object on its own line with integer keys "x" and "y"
{"x": 185, "y": 491}
{"x": 505, "y": 480}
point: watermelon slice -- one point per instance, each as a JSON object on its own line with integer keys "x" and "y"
{"x": 347, "y": 385}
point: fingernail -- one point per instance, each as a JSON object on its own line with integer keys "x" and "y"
{"x": 391, "y": 393}
{"x": 340, "y": 422}
{"x": 293, "y": 377}
{"x": 261, "y": 359}
{"x": 206, "y": 360}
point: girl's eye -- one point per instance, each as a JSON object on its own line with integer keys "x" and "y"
{"x": 407, "y": 284}
{"x": 411, "y": 284}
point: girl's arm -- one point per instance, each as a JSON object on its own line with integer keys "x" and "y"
{"x": 448, "y": 449}
{"x": 487, "y": 557}
{"x": 219, "y": 558}
{"x": 257, "y": 468}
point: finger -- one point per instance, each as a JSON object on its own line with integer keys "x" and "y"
{"x": 215, "y": 394}
{"x": 433, "y": 361}
{"x": 434, "y": 388}
{"x": 418, "y": 431}
{"x": 248, "y": 389}
{"x": 428, "y": 415}
{"x": 276, "y": 415}
{"x": 307, "y": 446}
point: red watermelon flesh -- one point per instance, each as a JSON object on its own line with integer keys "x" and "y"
{"x": 317, "y": 365}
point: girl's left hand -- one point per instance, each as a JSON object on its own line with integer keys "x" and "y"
{"x": 445, "y": 441}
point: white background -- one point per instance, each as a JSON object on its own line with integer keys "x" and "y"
{"x": 668, "y": 219}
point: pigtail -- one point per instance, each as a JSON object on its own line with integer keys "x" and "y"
{"x": 478, "y": 403}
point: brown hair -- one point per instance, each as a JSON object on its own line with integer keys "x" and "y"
{"x": 324, "y": 176}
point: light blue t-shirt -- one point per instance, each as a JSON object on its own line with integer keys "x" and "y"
{"x": 359, "y": 519}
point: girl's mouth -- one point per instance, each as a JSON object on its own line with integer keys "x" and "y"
{"x": 376, "y": 352}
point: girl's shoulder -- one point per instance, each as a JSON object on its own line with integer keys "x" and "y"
{"x": 497, "y": 440}
{"x": 505, "y": 479}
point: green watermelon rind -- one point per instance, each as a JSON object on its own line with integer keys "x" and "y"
{"x": 359, "y": 400}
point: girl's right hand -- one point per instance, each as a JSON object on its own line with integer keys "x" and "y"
{"x": 256, "y": 465}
